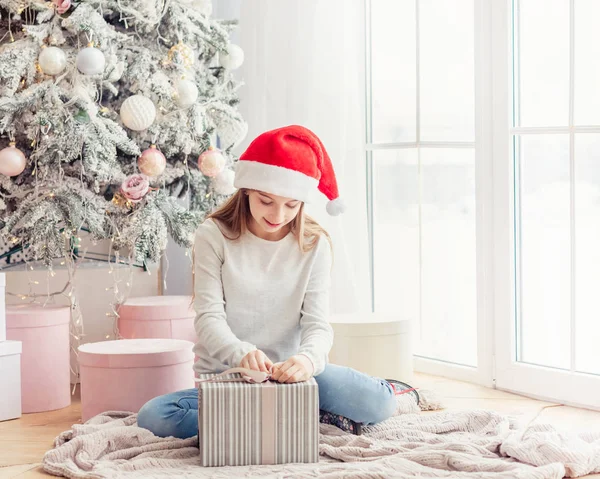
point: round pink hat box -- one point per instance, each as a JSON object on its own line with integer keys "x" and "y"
{"x": 45, "y": 360}
{"x": 123, "y": 375}
{"x": 158, "y": 317}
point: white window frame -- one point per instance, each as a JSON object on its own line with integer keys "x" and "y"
{"x": 566, "y": 386}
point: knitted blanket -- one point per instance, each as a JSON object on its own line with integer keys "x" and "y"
{"x": 465, "y": 444}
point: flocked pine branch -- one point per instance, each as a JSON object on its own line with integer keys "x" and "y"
{"x": 80, "y": 141}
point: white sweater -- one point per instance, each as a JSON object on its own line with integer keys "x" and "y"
{"x": 252, "y": 293}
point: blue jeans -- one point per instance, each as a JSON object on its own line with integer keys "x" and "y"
{"x": 342, "y": 391}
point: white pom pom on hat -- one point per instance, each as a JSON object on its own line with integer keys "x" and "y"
{"x": 292, "y": 162}
{"x": 336, "y": 207}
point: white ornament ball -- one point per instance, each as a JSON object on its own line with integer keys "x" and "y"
{"x": 138, "y": 112}
{"x": 211, "y": 162}
{"x": 90, "y": 61}
{"x": 12, "y": 161}
{"x": 203, "y": 6}
{"x": 52, "y": 60}
{"x": 232, "y": 133}
{"x": 233, "y": 58}
{"x": 223, "y": 182}
{"x": 152, "y": 162}
{"x": 186, "y": 93}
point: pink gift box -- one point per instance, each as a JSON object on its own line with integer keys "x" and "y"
{"x": 158, "y": 317}
{"x": 2, "y": 307}
{"x": 123, "y": 375}
{"x": 240, "y": 423}
{"x": 45, "y": 361}
{"x": 10, "y": 380}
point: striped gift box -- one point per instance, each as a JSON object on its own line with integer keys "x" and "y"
{"x": 241, "y": 423}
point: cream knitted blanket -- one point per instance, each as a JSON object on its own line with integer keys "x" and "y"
{"x": 468, "y": 444}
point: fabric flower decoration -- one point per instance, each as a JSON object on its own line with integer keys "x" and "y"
{"x": 62, "y": 5}
{"x": 135, "y": 187}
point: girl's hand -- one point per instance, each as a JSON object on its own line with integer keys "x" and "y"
{"x": 257, "y": 361}
{"x": 296, "y": 369}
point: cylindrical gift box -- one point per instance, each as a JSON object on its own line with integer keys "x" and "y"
{"x": 123, "y": 375}
{"x": 169, "y": 317}
{"x": 377, "y": 344}
{"x": 45, "y": 361}
{"x": 2, "y": 307}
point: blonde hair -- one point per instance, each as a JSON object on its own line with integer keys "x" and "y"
{"x": 235, "y": 215}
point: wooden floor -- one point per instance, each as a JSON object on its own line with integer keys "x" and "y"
{"x": 23, "y": 442}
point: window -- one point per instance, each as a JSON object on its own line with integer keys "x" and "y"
{"x": 483, "y": 153}
{"x": 554, "y": 139}
{"x": 421, "y": 156}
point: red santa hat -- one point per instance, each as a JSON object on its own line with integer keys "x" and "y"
{"x": 291, "y": 162}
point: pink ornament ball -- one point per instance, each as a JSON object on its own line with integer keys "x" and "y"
{"x": 62, "y": 6}
{"x": 211, "y": 162}
{"x": 152, "y": 162}
{"x": 12, "y": 161}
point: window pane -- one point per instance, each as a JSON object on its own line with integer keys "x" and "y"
{"x": 447, "y": 70}
{"x": 587, "y": 67}
{"x": 587, "y": 252}
{"x": 396, "y": 233}
{"x": 545, "y": 306}
{"x": 448, "y": 271}
{"x": 542, "y": 63}
{"x": 443, "y": 264}
{"x": 393, "y": 75}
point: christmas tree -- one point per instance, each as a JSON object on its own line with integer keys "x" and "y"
{"x": 109, "y": 113}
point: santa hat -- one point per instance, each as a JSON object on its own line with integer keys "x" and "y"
{"x": 291, "y": 162}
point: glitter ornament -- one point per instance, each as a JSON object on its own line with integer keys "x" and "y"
{"x": 90, "y": 60}
{"x": 152, "y": 162}
{"x": 181, "y": 54}
{"x": 138, "y": 112}
{"x": 223, "y": 182}
{"x": 52, "y": 60}
{"x": 233, "y": 58}
{"x": 186, "y": 93}
{"x": 211, "y": 162}
{"x": 12, "y": 160}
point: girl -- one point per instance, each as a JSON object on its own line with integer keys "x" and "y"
{"x": 262, "y": 287}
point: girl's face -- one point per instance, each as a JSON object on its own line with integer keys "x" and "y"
{"x": 271, "y": 214}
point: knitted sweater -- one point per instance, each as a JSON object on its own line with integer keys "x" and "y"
{"x": 252, "y": 293}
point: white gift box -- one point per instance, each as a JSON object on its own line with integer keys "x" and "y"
{"x": 10, "y": 379}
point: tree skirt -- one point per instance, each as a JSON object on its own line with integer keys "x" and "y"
{"x": 464, "y": 444}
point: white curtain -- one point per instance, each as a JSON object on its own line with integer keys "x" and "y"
{"x": 304, "y": 64}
